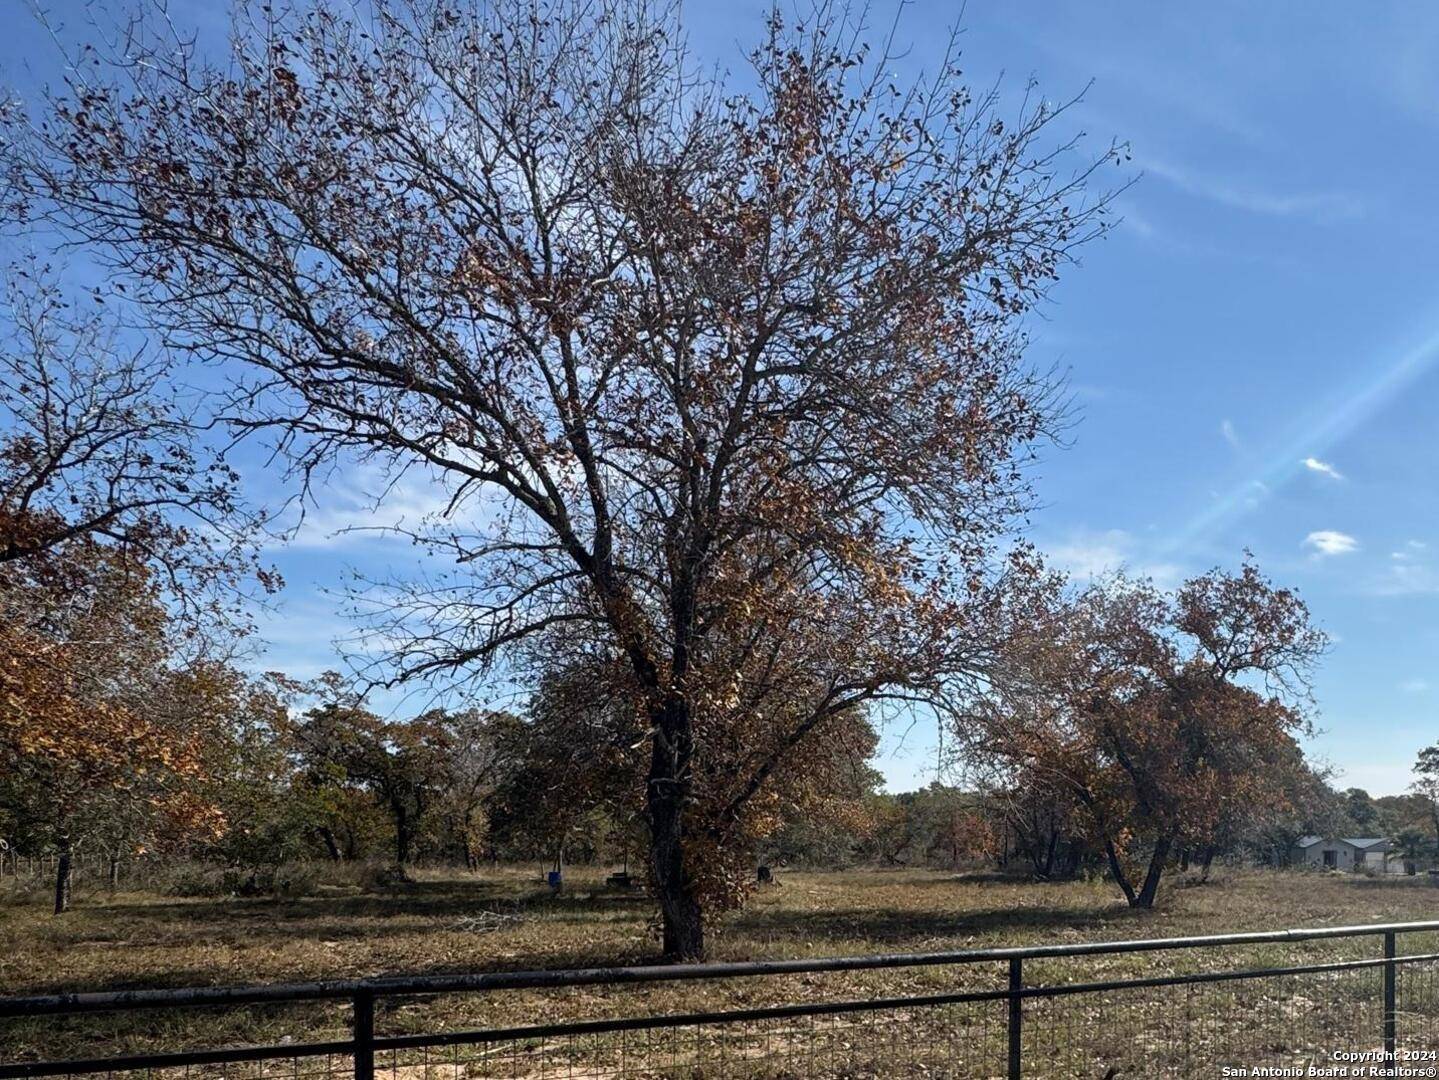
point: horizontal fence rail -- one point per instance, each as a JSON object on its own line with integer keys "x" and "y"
{"x": 1354, "y": 1021}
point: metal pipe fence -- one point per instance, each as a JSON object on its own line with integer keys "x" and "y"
{"x": 1006, "y": 1012}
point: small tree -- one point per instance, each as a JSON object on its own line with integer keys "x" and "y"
{"x": 93, "y": 722}
{"x": 401, "y": 764}
{"x": 1426, "y": 783}
{"x": 1145, "y": 706}
{"x": 1364, "y": 816}
{"x": 570, "y": 766}
{"x": 1044, "y": 819}
{"x": 120, "y": 543}
{"x": 474, "y": 766}
{"x": 254, "y": 780}
{"x": 1412, "y": 846}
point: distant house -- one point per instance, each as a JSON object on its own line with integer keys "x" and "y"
{"x": 1347, "y": 853}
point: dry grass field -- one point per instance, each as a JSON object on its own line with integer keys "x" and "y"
{"x": 438, "y": 924}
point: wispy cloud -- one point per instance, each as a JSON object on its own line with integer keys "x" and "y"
{"x": 1090, "y": 555}
{"x": 1327, "y": 542}
{"x": 1136, "y": 222}
{"x": 1323, "y": 207}
{"x": 365, "y": 504}
{"x": 1313, "y": 464}
{"x": 1259, "y": 492}
{"x": 1414, "y": 686}
{"x": 1411, "y": 571}
{"x": 1231, "y": 436}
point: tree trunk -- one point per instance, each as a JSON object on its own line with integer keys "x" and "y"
{"x": 1073, "y": 855}
{"x": 666, "y": 798}
{"x": 332, "y": 848}
{"x": 1205, "y": 865}
{"x": 472, "y": 861}
{"x": 1150, "y": 889}
{"x": 1120, "y": 877}
{"x": 112, "y": 878}
{"x": 1048, "y": 868}
{"x": 63, "y": 875}
{"x": 402, "y": 837}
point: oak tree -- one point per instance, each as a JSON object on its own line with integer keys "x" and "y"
{"x": 123, "y": 550}
{"x": 401, "y": 764}
{"x": 95, "y": 723}
{"x": 1169, "y": 717}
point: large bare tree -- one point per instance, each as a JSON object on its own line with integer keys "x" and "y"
{"x": 724, "y": 381}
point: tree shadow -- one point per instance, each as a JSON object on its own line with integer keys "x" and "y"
{"x": 892, "y": 927}
{"x": 420, "y": 899}
{"x": 1393, "y": 881}
{"x": 991, "y": 877}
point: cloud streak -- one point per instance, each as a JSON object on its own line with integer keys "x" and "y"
{"x": 1409, "y": 572}
{"x": 1313, "y": 464}
{"x": 1322, "y": 207}
{"x": 1327, "y": 542}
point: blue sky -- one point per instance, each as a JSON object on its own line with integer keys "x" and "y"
{"x": 1254, "y": 351}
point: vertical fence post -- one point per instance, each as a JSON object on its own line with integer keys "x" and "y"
{"x": 365, "y": 1035}
{"x": 1016, "y": 979}
{"x": 1390, "y": 1015}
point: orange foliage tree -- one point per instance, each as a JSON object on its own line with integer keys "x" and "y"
{"x": 93, "y": 721}
{"x": 121, "y": 542}
{"x": 1168, "y": 718}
